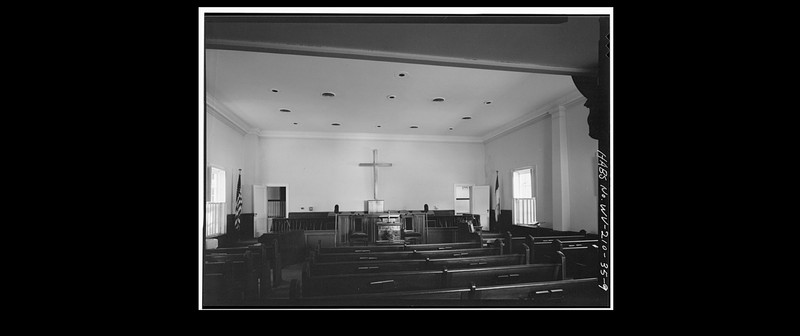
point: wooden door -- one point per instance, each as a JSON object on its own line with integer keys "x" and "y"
{"x": 260, "y": 210}
{"x": 479, "y": 205}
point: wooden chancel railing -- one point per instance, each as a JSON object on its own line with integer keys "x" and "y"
{"x": 305, "y": 222}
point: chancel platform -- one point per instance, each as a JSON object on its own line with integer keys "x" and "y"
{"x": 356, "y": 228}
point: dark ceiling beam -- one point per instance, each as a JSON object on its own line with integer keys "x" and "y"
{"x": 388, "y": 18}
{"x": 372, "y": 55}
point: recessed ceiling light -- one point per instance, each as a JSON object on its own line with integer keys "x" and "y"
{"x": 285, "y": 110}
{"x": 336, "y": 124}
{"x": 414, "y": 126}
{"x": 391, "y": 96}
{"x": 328, "y": 94}
{"x": 466, "y": 117}
{"x": 403, "y": 74}
{"x": 438, "y": 99}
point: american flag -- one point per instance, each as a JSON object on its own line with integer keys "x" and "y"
{"x": 497, "y": 198}
{"x": 238, "y": 202}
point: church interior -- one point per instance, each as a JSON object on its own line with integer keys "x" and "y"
{"x": 397, "y": 160}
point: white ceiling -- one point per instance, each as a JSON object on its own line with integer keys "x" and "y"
{"x": 518, "y": 67}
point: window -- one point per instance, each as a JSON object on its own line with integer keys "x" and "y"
{"x": 524, "y": 209}
{"x": 215, "y": 203}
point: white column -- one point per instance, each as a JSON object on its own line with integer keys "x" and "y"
{"x": 561, "y": 201}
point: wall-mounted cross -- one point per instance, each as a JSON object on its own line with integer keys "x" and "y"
{"x": 375, "y": 164}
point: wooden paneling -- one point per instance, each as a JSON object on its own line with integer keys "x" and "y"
{"x": 322, "y": 238}
{"x": 441, "y": 235}
{"x": 246, "y": 227}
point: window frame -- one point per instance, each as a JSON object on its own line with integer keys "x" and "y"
{"x": 517, "y": 218}
{"x": 212, "y": 229}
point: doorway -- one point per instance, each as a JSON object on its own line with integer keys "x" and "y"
{"x": 276, "y": 203}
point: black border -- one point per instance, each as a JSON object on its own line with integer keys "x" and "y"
{"x": 180, "y": 63}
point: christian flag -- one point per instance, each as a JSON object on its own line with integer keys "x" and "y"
{"x": 238, "y": 202}
{"x": 497, "y": 198}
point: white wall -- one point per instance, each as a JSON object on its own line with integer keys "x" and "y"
{"x": 582, "y": 169}
{"x": 527, "y": 146}
{"x": 532, "y": 145}
{"x": 321, "y": 173}
{"x": 225, "y": 148}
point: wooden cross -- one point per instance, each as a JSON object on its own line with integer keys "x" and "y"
{"x": 375, "y": 164}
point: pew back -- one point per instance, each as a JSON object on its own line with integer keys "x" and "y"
{"x": 427, "y": 280}
{"x": 354, "y": 267}
{"x": 406, "y": 255}
{"x": 399, "y": 247}
{"x": 582, "y": 258}
{"x": 562, "y": 293}
{"x": 230, "y": 278}
{"x": 559, "y": 293}
{"x": 261, "y": 263}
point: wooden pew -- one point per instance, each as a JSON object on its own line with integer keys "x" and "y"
{"x": 427, "y": 280}
{"x": 399, "y": 247}
{"x": 406, "y": 255}
{"x": 262, "y": 263}
{"x": 582, "y": 258}
{"x": 273, "y": 248}
{"x": 513, "y": 243}
{"x": 230, "y": 278}
{"x": 559, "y": 293}
{"x": 544, "y": 251}
{"x": 354, "y": 267}
{"x": 291, "y": 245}
{"x": 571, "y": 292}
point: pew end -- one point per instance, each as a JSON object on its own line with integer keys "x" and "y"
{"x": 563, "y": 274}
{"x": 508, "y": 237}
{"x": 527, "y": 253}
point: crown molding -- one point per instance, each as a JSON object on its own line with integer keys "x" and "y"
{"x": 224, "y": 114}
{"x": 374, "y": 55}
{"x": 537, "y": 115}
{"x": 570, "y": 98}
{"x": 368, "y": 136}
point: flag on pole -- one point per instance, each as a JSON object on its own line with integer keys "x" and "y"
{"x": 497, "y": 198}
{"x": 238, "y": 202}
